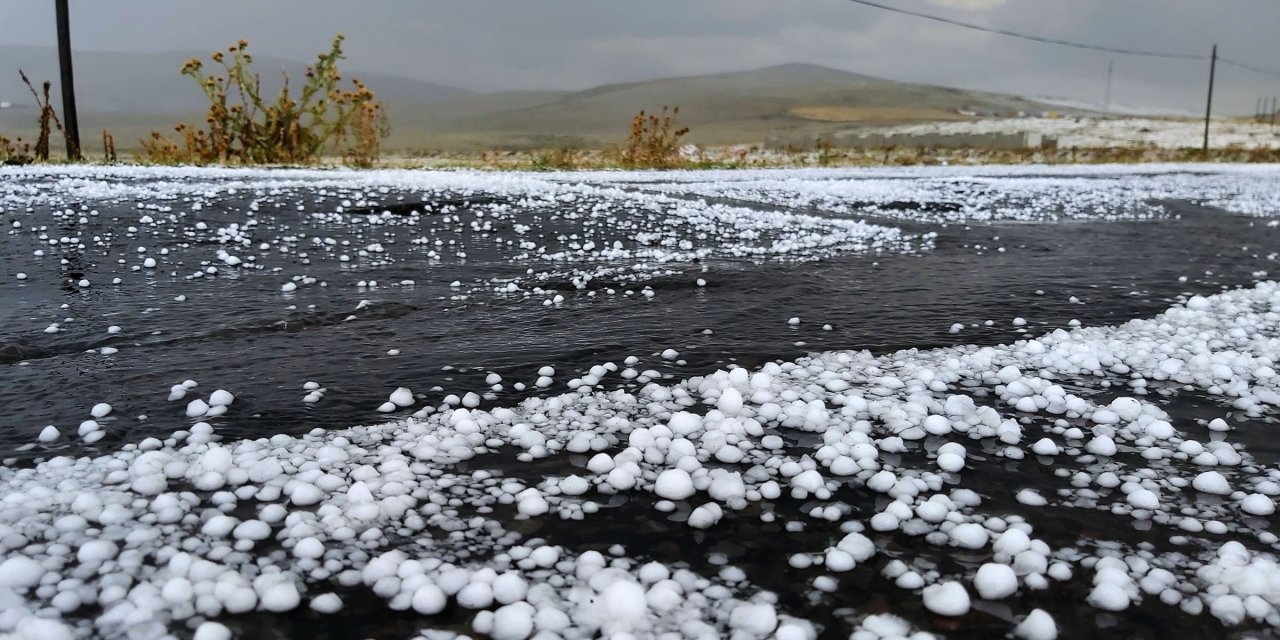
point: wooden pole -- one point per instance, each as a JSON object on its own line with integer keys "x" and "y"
{"x": 1208, "y": 107}
{"x": 69, "y": 119}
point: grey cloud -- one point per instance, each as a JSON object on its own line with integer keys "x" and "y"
{"x": 513, "y": 44}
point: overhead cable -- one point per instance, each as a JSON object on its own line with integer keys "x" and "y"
{"x": 1035, "y": 38}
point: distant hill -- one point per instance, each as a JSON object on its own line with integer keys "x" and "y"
{"x": 131, "y": 94}
{"x": 724, "y": 108}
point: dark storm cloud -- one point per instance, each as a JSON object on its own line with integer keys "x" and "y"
{"x": 514, "y": 44}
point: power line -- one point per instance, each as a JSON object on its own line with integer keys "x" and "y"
{"x": 1247, "y": 67}
{"x": 1025, "y": 36}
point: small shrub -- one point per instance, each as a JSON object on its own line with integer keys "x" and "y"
{"x": 825, "y": 155}
{"x": 108, "y": 147}
{"x": 566, "y": 157}
{"x": 242, "y": 126}
{"x": 654, "y": 141}
{"x": 48, "y": 119}
{"x": 15, "y": 151}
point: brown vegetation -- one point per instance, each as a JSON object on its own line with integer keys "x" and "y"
{"x": 48, "y": 119}
{"x": 243, "y": 127}
{"x": 108, "y": 147}
{"x": 654, "y": 141}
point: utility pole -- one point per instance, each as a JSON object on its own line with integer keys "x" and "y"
{"x": 1106, "y": 100}
{"x": 69, "y": 119}
{"x": 1208, "y": 107}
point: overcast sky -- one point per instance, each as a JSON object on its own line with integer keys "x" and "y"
{"x": 491, "y": 45}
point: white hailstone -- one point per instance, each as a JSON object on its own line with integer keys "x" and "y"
{"x": 1038, "y": 625}
{"x": 310, "y": 548}
{"x": 1143, "y": 499}
{"x": 946, "y": 598}
{"x": 49, "y": 434}
{"x": 950, "y": 462}
{"x": 1011, "y": 542}
{"x": 838, "y": 560}
{"x": 937, "y": 425}
{"x": 1218, "y": 424}
{"x": 428, "y": 599}
{"x": 531, "y": 503}
{"x": 1108, "y": 596}
{"x": 221, "y": 398}
{"x": 1101, "y": 446}
{"x": 1258, "y": 505}
{"x": 100, "y": 410}
{"x": 386, "y": 407}
{"x": 327, "y": 603}
{"x": 212, "y": 631}
{"x": 623, "y": 601}
{"x": 219, "y": 526}
{"x": 96, "y": 551}
{"x": 252, "y": 530}
{"x": 705, "y": 516}
{"x": 793, "y": 321}
{"x": 730, "y": 402}
{"x": 674, "y": 484}
{"x": 995, "y": 581}
{"x": 515, "y": 621}
{"x": 545, "y": 556}
{"x": 197, "y": 408}
{"x": 305, "y": 495}
{"x": 288, "y": 286}
{"x": 1031, "y": 498}
{"x": 1045, "y": 447}
{"x": 401, "y": 397}
{"x": 574, "y": 485}
{"x": 20, "y": 572}
{"x": 280, "y": 597}
{"x": 969, "y": 535}
{"x": 759, "y": 620}
{"x": 1211, "y": 482}
{"x": 509, "y": 587}
{"x": 670, "y": 354}
{"x": 177, "y": 590}
{"x": 476, "y": 595}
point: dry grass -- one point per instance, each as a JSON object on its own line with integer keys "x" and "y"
{"x": 654, "y": 141}
{"x": 108, "y": 148}
{"x": 244, "y": 127}
{"x": 48, "y": 120}
{"x": 13, "y": 152}
{"x": 743, "y": 157}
